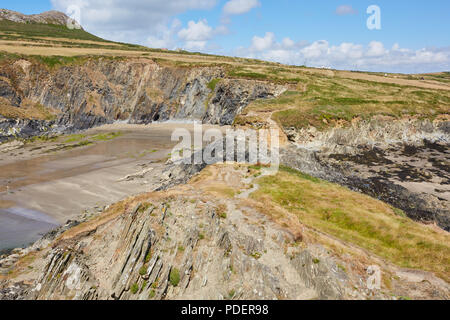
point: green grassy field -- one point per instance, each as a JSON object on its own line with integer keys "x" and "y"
{"x": 325, "y": 100}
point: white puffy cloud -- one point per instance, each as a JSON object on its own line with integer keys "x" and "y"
{"x": 196, "y": 34}
{"x": 237, "y": 7}
{"x": 166, "y": 37}
{"x": 133, "y": 20}
{"x": 288, "y": 43}
{"x": 263, "y": 43}
{"x": 348, "y": 50}
{"x": 376, "y": 49}
{"x": 316, "y": 50}
{"x": 196, "y": 31}
{"x": 371, "y": 57}
{"x": 345, "y": 10}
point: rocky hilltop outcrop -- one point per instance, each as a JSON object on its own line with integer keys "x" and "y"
{"x": 139, "y": 91}
{"x": 48, "y": 17}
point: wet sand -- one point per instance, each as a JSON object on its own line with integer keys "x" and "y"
{"x": 19, "y": 227}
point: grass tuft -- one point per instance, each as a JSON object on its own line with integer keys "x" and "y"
{"x": 134, "y": 288}
{"x": 213, "y": 83}
{"x": 174, "y": 277}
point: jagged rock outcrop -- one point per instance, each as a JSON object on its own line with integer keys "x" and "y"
{"x": 140, "y": 91}
{"x": 48, "y": 17}
{"x": 380, "y": 132}
{"x": 170, "y": 249}
{"x": 24, "y": 128}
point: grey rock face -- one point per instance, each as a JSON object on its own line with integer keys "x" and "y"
{"x": 137, "y": 255}
{"x": 23, "y": 128}
{"x": 323, "y": 276}
{"x": 232, "y": 96}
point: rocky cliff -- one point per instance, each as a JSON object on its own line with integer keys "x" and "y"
{"x": 194, "y": 241}
{"x": 104, "y": 90}
{"x": 402, "y": 162}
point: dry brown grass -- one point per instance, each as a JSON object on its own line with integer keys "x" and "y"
{"x": 22, "y": 266}
{"x": 28, "y": 110}
{"x": 67, "y": 52}
{"x": 113, "y": 212}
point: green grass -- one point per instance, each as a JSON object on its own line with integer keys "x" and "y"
{"x": 250, "y": 75}
{"x": 75, "y": 137}
{"x": 148, "y": 257}
{"x": 358, "y": 219}
{"x": 324, "y": 100}
{"x": 97, "y": 137}
{"x": 41, "y": 139}
{"x": 327, "y": 101}
{"x": 256, "y": 255}
{"x": 213, "y": 83}
{"x": 134, "y": 288}
{"x": 174, "y": 277}
{"x": 143, "y": 271}
{"x": 264, "y": 72}
{"x": 46, "y": 30}
{"x": 74, "y": 140}
{"x": 144, "y": 207}
{"x": 53, "y": 61}
{"x": 222, "y": 211}
{"x": 70, "y": 146}
{"x": 443, "y": 77}
{"x": 106, "y": 136}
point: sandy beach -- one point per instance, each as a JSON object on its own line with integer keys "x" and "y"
{"x": 53, "y": 187}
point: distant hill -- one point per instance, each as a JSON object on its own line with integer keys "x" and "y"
{"x": 48, "y": 17}
{"x": 51, "y": 24}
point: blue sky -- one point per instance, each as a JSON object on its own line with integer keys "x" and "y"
{"x": 414, "y": 35}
